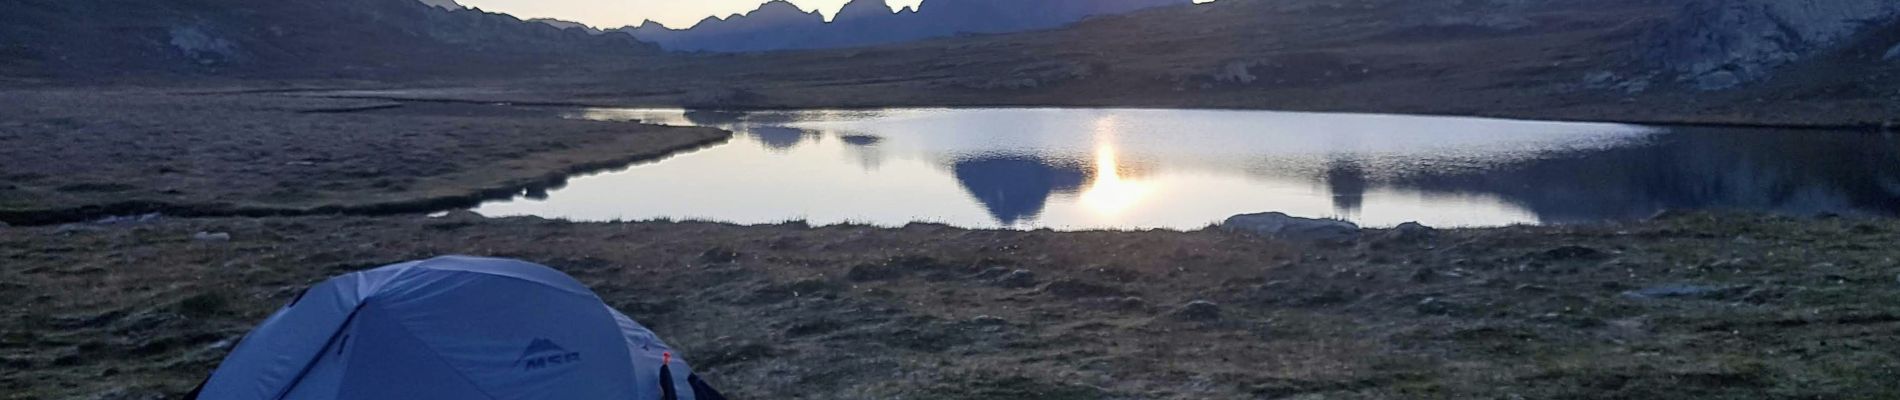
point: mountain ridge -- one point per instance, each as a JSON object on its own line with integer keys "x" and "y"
{"x": 781, "y": 25}
{"x": 311, "y": 38}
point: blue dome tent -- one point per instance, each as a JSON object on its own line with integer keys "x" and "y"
{"x": 452, "y": 328}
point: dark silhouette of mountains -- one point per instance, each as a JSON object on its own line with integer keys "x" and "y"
{"x": 314, "y": 38}
{"x": 780, "y": 25}
{"x": 565, "y": 24}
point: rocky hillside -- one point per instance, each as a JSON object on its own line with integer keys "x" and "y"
{"x": 780, "y": 25}
{"x": 283, "y": 38}
{"x": 1719, "y": 44}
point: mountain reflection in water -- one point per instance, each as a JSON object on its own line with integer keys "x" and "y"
{"x": 1184, "y": 169}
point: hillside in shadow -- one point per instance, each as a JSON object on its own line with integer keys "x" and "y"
{"x": 80, "y": 39}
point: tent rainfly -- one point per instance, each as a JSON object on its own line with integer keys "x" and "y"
{"x": 452, "y": 328}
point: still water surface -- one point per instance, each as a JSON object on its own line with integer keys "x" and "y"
{"x": 1184, "y": 169}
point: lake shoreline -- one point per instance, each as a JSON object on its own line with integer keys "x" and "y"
{"x": 1686, "y": 306}
{"x": 1682, "y": 306}
{"x": 86, "y": 198}
{"x": 1849, "y": 124}
{"x": 253, "y": 155}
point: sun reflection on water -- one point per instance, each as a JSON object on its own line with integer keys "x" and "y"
{"x": 1110, "y": 194}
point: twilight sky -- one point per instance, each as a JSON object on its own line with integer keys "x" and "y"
{"x": 672, "y": 13}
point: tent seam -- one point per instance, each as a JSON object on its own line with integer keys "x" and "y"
{"x": 348, "y": 321}
{"x": 563, "y": 289}
{"x": 437, "y": 353}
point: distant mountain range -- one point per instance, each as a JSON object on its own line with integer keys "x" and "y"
{"x": 780, "y": 25}
{"x": 565, "y": 24}
{"x": 315, "y": 38}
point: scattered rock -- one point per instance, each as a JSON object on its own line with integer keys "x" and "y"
{"x": 1599, "y": 79}
{"x": 1434, "y": 306}
{"x": 462, "y": 216}
{"x": 1411, "y": 232}
{"x": 1282, "y": 226}
{"x": 991, "y": 273}
{"x": 1236, "y": 72}
{"x": 987, "y": 320}
{"x": 129, "y": 219}
{"x": 1529, "y": 288}
{"x": 211, "y": 237}
{"x": 1199, "y": 310}
{"x": 1021, "y": 278}
{"x": 1731, "y": 264}
{"x": 778, "y": 293}
{"x": 72, "y": 229}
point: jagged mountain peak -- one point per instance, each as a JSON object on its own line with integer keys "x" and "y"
{"x": 446, "y": 4}
{"x": 778, "y": 6}
{"x": 863, "y": 9}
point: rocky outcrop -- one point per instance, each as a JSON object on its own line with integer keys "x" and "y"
{"x": 780, "y": 25}
{"x": 1720, "y": 44}
{"x": 1285, "y": 227}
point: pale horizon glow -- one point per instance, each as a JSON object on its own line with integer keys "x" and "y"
{"x": 677, "y": 14}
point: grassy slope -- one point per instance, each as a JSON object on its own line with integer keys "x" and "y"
{"x": 80, "y": 152}
{"x": 1797, "y": 308}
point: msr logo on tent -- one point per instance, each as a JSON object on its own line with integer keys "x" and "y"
{"x": 543, "y": 353}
